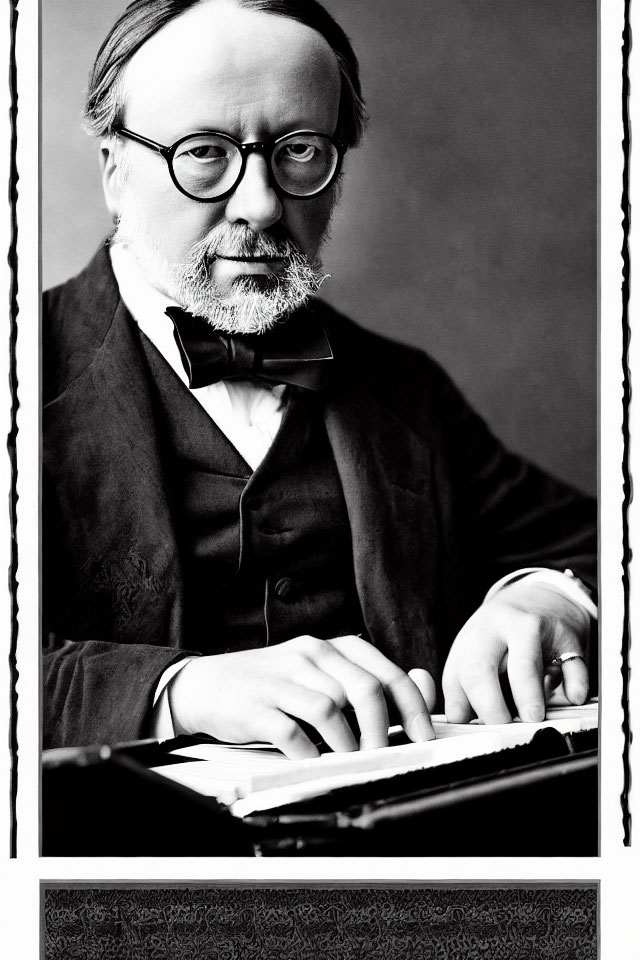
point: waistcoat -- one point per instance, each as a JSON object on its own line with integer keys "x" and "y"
{"x": 266, "y": 554}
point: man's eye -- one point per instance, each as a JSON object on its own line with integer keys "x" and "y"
{"x": 302, "y": 152}
{"x": 206, "y": 151}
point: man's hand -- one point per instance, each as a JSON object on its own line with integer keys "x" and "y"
{"x": 518, "y": 632}
{"x": 259, "y": 695}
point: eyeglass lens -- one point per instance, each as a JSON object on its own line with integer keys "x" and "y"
{"x": 207, "y": 165}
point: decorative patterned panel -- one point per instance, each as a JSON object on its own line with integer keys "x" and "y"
{"x": 338, "y": 923}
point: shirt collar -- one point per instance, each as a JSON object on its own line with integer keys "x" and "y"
{"x": 143, "y": 301}
{"x": 147, "y": 305}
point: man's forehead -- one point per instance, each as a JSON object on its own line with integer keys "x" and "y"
{"x": 222, "y": 60}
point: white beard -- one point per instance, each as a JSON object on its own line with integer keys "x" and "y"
{"x": 253, "y": 304}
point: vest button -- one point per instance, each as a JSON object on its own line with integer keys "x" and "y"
{"x": 286, "y": 589}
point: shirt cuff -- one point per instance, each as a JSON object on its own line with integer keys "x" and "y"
{"x": 162, "y": 727}
{"x": 567, "y": 583}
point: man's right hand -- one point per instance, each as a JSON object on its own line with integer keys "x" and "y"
{"x": 260, "y": 694}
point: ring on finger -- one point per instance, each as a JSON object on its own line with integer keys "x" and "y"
{"x": 565, "y": 658}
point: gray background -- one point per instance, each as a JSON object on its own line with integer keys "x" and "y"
{"x": 468, "y": 224}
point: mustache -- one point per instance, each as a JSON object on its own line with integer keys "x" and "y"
{"x": 237, "y": 241}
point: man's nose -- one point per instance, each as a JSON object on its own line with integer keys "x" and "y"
{"x": 254, "y": 201}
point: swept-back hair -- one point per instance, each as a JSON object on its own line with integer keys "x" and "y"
{"x": 143, "y": 18}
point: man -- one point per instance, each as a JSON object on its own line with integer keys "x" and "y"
{"x": 258, "y": 516}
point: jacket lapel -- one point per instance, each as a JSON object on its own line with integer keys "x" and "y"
{"x": 386, "y": 475}
{"x": 102, "y": 454}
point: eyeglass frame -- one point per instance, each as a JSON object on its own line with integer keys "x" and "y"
{"x": 265, "y": 147}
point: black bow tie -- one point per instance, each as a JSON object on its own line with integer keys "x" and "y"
{"x": 297, "y": 352}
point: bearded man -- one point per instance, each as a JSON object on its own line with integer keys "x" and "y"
{"x": 257, "y": 516}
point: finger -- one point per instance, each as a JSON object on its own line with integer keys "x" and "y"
{"x": 575, "y": 680}
{"x": 481, "y": 684}
{"x": 552, "y": 677}
{"x": 553, "y": 689}
{"x": 557, "y": 698}
{"x": 366, "y": 696}
{"x": 316, "y": 709}
{"x": 456, "y": 703}
{"x": 426, "y": 685}
{"x": 525, "y": 672}
{"x": 566, "y": 643}
{"x": 412, "y": 707}
{"x": 363, "y": 689}
{"x": 307, "y": 674}
{"x": 273, "y": 726}
{"x": 401, "y": 691}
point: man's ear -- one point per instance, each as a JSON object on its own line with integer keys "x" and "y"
{"x": 110, "y": 159}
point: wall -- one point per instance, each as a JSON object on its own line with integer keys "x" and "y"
{"x": 468, "y": 224}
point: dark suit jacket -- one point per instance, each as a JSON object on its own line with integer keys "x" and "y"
{"x": 438, "y": 510}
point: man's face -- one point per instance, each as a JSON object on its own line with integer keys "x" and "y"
{"x": 254, "y": 76}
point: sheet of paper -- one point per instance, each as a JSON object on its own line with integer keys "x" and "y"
{"x": 263, "y": 777}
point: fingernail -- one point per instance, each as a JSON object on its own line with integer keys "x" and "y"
{"x": 420, "y": 728}
{"x": 534, "y": 713}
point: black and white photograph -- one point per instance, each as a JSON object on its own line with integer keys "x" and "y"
{"x": 320, "y": 480}
{"x": 273, "y": 519}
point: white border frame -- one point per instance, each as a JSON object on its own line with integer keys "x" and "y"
{"x": 618, "y": 868}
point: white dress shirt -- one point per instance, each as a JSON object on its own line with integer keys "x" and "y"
{"x": 249, "y": 413}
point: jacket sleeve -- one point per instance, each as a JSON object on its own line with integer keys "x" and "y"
{"x": 99, "y": 692}
{"x": 509, "y": 514}
{"x": 111, "y": 607}
{"x": 98, "y": 685}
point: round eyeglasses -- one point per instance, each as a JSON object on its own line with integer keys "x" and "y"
{"x": 209, "y": 166}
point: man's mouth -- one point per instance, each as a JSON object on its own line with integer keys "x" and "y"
{"x": 247, "y": 259}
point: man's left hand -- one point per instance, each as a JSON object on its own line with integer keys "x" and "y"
{"x": 517, "y": 633}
